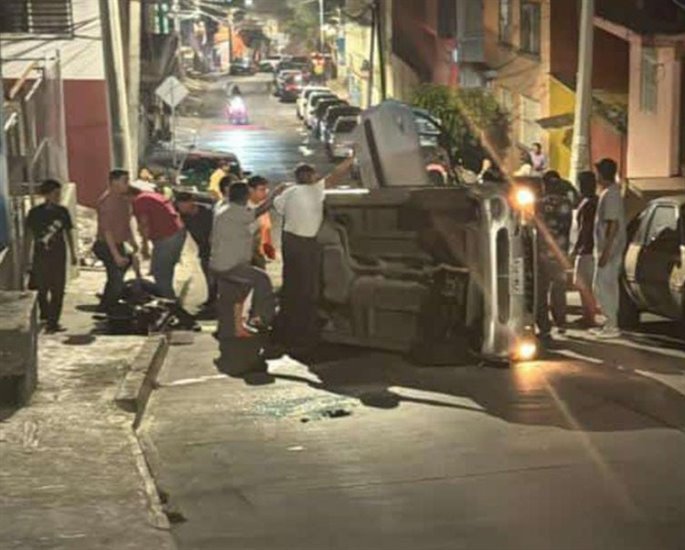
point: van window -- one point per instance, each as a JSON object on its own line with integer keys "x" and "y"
{"x": 664, "y": 218}
{"x": 345, "y": 126}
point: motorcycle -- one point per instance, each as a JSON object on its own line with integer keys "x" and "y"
{"x": 237, "y": 111}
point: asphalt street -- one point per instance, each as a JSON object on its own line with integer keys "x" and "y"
{"x": 583, "y": 449}
{"x": 273, "y": 142}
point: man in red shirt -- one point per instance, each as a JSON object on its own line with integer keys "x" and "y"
{"x": 159, "y": 222}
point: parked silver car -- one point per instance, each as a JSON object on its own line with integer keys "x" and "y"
{"x": 654, "y": 265}
{"x": 340, "y": 142}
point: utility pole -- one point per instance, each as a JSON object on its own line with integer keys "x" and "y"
{"x": 381, "y": 47}
{"x": 230, "y": 38}
{"x": 580, "y": 149}
{"x": 116, "y": 83}
{"x": 7, "y": 238}
{"x": 322, "y": 35}
{"x": 134, "y": 80}
{"x": 372, "y": 58}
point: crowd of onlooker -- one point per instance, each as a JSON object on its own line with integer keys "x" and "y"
{"x": 233, "y": 236}
{"x": 596, "y": 256}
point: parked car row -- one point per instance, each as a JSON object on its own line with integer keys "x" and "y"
{"x": 330, "y": 118}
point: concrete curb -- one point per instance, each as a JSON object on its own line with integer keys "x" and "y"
{"x": 134, "y": 390}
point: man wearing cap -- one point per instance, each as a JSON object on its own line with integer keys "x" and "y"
{"x": 301, "y": 206}
{"x": 610, "y": 243}
{"x": 158, "y": 222}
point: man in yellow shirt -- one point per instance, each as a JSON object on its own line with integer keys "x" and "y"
{"x": 221, "y": 172}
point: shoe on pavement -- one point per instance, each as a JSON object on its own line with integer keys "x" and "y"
{"x": 54, "y": 329}
{"x": 607, "y": 333}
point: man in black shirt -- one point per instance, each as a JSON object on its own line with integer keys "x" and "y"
{"x": 49, "y": 228}
{"x": 198, "y": 219}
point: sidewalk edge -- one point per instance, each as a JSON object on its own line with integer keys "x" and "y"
{"x": 134, "y": 390}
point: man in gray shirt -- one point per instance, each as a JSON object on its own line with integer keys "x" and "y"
{"x": 610, "y": 243}
{"x": 231, "y": 257}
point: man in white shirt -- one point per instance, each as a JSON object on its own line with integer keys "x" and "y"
{"x": 301, "y": 206}
{"x": 538, "y": 159}
{"x": 231, "y": 258}
{"x": 610, "y": 243}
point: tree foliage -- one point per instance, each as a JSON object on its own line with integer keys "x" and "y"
{"x": 469, "y": 115}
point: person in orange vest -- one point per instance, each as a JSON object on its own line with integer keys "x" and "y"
{"x": 319, "y": 69}
{"x": 263, "y": 244}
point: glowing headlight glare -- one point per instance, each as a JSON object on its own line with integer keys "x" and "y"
{"x": 526, "y": 350}
{"x": 524, "y": 197}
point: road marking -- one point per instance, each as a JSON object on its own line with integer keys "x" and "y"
{"x": 624, "y": 342}
{"x": 573, "y": 355}
{"x": 189, "y": 381}
{"x": 305, "y": 151}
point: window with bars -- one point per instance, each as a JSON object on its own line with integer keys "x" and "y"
{"x": 37, "y": 17}
{"x": 649, "y": 67}
{"x": 505, "y": 21}
{"x": 530, "y": 27}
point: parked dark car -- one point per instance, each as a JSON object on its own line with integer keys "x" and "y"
{"x": 320, "y": 111}
{"x": 654, "y": 264}
{"x": 290, "y": 65}
{"x": 242, "y": 67}
{"x": 291, "y": 88}
{"x": 332, "y": 114}
{"x": 283, "y": 76}
{"x": 196, "y": 166}
{"x": 312, "y": 104}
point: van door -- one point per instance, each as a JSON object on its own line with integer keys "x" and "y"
{"x": 660, "y": 257}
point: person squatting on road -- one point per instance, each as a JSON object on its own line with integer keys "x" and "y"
{"x": 159, "y": 223}
{"x": 114, "y": 245}
{"x": 49, "y": 226}
{"x": 231, "y": 257}
{"x": 610, "y": 242}
{"x": 198, "y": 219}
{"x": 583, "y": 251}
{"x": 301, "y": 206}
{"x": 555, "y": 217}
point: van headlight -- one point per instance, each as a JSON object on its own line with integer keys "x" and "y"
{"x": 523, "y": 198}
{"x": 526, "y": 349}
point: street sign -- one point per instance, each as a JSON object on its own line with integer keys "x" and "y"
{"x": 172, "y": 91}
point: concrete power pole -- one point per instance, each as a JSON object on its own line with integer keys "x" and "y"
{"x": 322, "y": 34}
{"x": 116, "y": 83}
{"x": 580, "y": 149}
{"x": 134, "y": 81}
{"x": 381, "y": 48}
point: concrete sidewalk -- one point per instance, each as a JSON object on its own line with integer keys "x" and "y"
{"x": 72, "y": 473}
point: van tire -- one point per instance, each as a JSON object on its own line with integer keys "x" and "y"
{"x": 628, "y": 312}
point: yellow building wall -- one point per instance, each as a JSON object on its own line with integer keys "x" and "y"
{"x": 562, "y": 100}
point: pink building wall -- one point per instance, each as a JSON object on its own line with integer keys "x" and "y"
{"x": 654, "y": 138}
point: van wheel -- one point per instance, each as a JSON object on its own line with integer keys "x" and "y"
{"x": 628, "y": 313}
